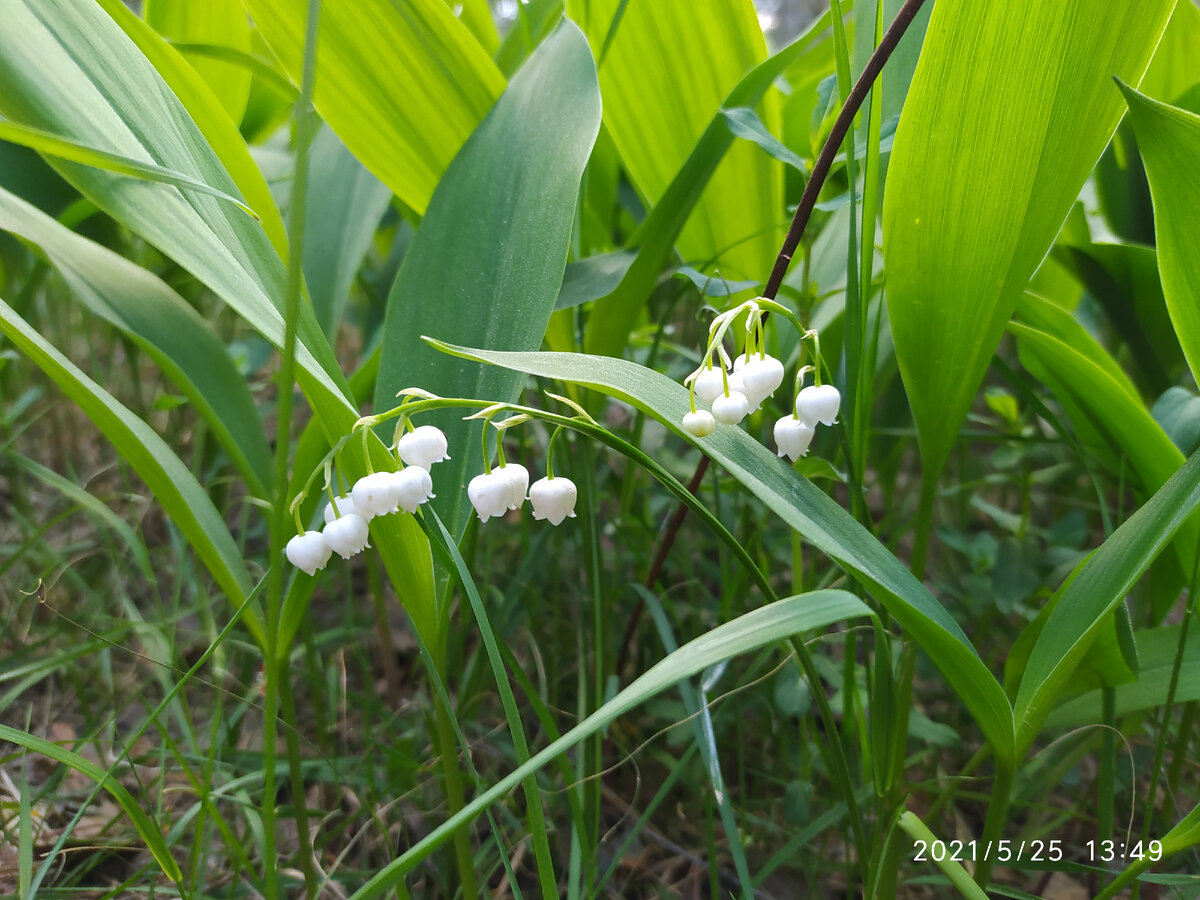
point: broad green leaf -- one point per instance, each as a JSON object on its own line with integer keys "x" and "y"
{"x": 1178, "y": 412}
{"x": 664, "y": 73}
{"x": 477, "y": 16}
{"x": 767, "y": 625}
{"x": 590, "y": 279}
{"x": 402, "y": 82}
{"x": 219, "y": 22}
{"x": 1176, "y": 63}
{"x": 1156, "y": 648}
{"x": 1169, "y": 139}
{"x": 1111, "y": 659}
{"x": 487, "y": 262}
{"x": 183, "y": 499}
{"x": 1096, "y": 590}
{"x": 161, "y": 323}
{"x": 150, "y": 832}
{"x": 816, "y": 516}
{"x": 209, "y": 115}
{"x": 345, "y": 203}
{"x": 1010, "y": 107}
{"x": 615, "y": 316}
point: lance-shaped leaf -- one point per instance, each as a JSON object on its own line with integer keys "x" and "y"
{"x": 402, "y": 82}
{"x": 1169, "y": 139}
{"x": 815, "y": 515}
{"x": 487, "y": 262}
{"x": 665, "y": 72}
{"x": 1010, "y": 107}
{"x": 216, "y": 22}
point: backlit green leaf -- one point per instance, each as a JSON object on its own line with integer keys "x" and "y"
{"x": 664, "y": 73}
{"x": 402, "y": 82}
{"x": 218, "y": 22}
{"x": 1011, "y": 105}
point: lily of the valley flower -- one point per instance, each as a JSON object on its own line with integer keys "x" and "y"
{"x": 347, "y": 535}
{"x": 761, "y": 376}
{"x": 730, "y": 408}
{"x": 818, "y": 403}
{"x": 345, "y": 504}
{"x": 423, "y": 446}
{"x": 518, "y": 483}
{"x": 373, "y": 495}
{"x": 553, "y": 499}
{"x": 792, "y": 437}
{"x": 488, "y": 493}
{"x": 699, "y": 423}
{"x": 411, "y": 487}
{"x": 710, "y": 384}
{"x": 308, "y": 552}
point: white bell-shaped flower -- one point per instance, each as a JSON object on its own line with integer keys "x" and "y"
{"x": 412, "y": 486}
{"x": 488, "y": 493}
{"x": 730, "y": 408}
{"x": 423, "y": 446}
{"x": 308, "y": 552}
{"x": 373, "y": 495}
{"x": 710, "y": 384}
{"x": 699, "y": 423}
{"x": 518, "y": 483}
{"x": 345, "y": 504}
{"x": 553, "y": 499}
{"x": 347, "y": 535}
{"x": 737, "y": 385}
{"x": 761, "y": 377}
{"x": 818, "y": 403}
{"x": 792, "y": 437}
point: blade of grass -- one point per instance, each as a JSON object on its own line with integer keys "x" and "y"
{"x": 147, "y": 829}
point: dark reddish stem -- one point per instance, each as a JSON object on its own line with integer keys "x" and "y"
{"x": 841, "y": 126}
{"x": 808, "y": 200}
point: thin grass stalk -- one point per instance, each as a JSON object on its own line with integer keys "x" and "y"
{"x": 863, "y": 389}
{"x": 594, "y": 788}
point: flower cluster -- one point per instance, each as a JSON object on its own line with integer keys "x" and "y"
{"x": 733, "y": 392}
{"x": 492, "y": 493}
{"x": 375, "y": 494}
